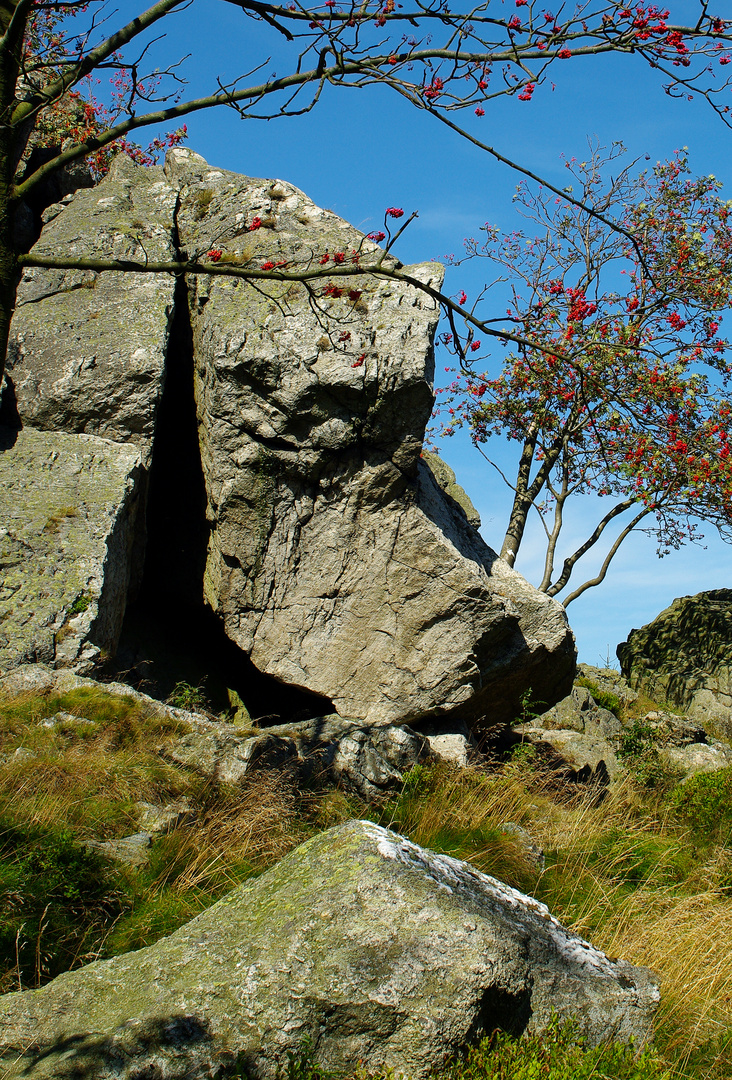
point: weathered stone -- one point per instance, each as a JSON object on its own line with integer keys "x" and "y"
{"x": 685, "y": 657}
{"x": 609, "y": 681}
{"x": 28, "y": 679}
{"x": 62, "y": 717}
{"x": 336, "y": 562}
{"x": 132, "y": 850}
{"x": 378, "y": 951}
{"x": 164, "y": 819}
{"x": 584, "y": 758}
{"x": 226, "y": 756}
{"x": 87, "y": 350}
{"x": 453, "y": 748}
{"x": 668, "y": 729}
{"x": 697, "y": 757}
{"x": 579, "y": 712}
{"x": 445, "y": 477}
{"x": 368, "y": 760}
{"x": 68, "y": 508}
{"x": 335, "y": 559}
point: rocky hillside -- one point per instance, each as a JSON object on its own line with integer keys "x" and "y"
{"x": 364, "y": 819}
{"x": 123, "y": 819}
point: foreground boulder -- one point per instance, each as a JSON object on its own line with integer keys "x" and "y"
{"x": 685, "y": 657}
{"x": 374, "y": 949}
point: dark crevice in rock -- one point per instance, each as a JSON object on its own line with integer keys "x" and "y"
{"x": 9, "y": 415}
{"x": 170, "y": 635}
{"x": 501, "y": 1010}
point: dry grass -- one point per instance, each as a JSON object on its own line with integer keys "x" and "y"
{"x": 625, "y": 872}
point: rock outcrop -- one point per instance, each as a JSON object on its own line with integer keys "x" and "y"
{"x": 685, "y": 657}
{"x": 376, "y": 950}
{"x": 368, "y": 759}
{"x": 335, "y": 560}
{"x": 579, "y": 740}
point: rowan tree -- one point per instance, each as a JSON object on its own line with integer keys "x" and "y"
{"x": 439, "y": 59}
{"x": 618, "y": 383}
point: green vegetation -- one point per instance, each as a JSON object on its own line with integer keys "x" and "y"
{"x": 202, "y": 200}
{"x": 604, "y": 698}
{"x": 705, "y": 803}
{"x": 81, "y": 603}
{"x": 185, "y": 696}
{"x": 645, "y": 875}
{"x": 556, "y": 1055}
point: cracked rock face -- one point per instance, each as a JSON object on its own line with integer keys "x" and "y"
{"x": 335, "y": 560}
{"x": 685, "y": 657}
{"x": 377, "y": 950}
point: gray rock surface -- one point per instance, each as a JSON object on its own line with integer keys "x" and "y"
{"x": 157, "y": 820}
{"x": 453, "y": 748}
{"x": 133, "y": 850}
{"x": 337, "y": 563}
{"x": 685, "y": 657}
{"x": 697, "y": 757}
{"x": 445, "y": 477}
{"x": 87, "y": 350}
{"x": 378, "y": 951}
{"x": 609, "y": 681}
{"x": 368, "y": 760}
{"x": 579, "y": 712}
{"x": 587, "y": 758}
{"x": 335, "y": 559}
{"x": 68, "y": 516}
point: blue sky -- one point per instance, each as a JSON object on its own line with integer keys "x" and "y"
{"x": 362, "y": 150}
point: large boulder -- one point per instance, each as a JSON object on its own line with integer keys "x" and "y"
{"x": 68, "y": 518}
{"x": 685, "y": 657}
{"x": 336, "y": 561}
{"x": 376, "y": 950}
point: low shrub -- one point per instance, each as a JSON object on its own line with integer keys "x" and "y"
{"x": 704, "y": 802}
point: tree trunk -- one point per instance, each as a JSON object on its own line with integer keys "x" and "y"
{"x": 10, "y": 66}
{"x": 521, "y": 503}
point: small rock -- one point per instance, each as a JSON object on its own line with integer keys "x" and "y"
{"x": 65, "y": 718}
{"x": 589, "y": 759}
{"x": 609, "y": 680}
{"x": 697, "y": 757}
{"x": 23, "y": 754}
{"x": 132, "y": 850}
{"x": 368, "y": 759}
{"x": 454, "y": 749}
{"x": 164, "y": 819}
{"x": 579, "y": 712}
{"x": 671, "y": 730}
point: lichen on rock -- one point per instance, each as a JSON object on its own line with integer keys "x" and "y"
{"x": 376, "y": 950}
